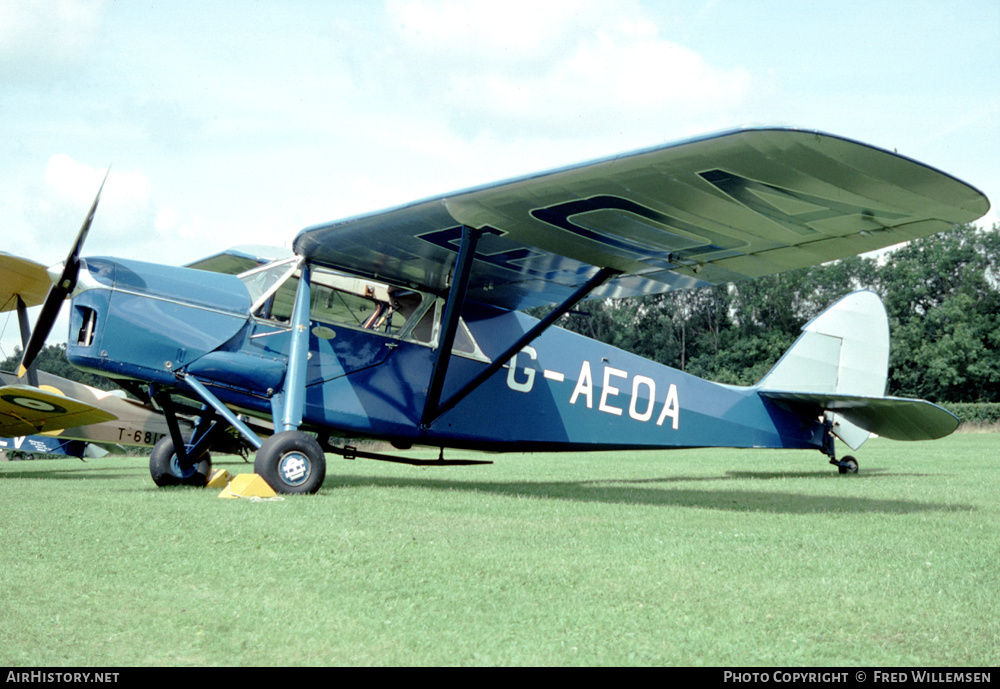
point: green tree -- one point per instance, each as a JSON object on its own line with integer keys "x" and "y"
{"x": 941, "y": 294}
{"x": 52, "y": 359}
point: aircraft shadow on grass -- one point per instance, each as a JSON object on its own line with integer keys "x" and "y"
{"x": 611, "y": 491}
{"x": 617, "y": 492}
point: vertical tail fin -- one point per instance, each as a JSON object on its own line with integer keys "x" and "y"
{"x": 844, "y": 350}
{"x": 840, "y": 365}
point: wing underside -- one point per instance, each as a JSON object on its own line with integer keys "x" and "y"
{"x": 26, "y": 410}
{"x": 22, "y": 278}
{"x": 726, "y": 207}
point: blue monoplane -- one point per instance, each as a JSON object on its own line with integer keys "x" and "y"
{"x": 407, "y": 325}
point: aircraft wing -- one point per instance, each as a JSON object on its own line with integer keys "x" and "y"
{"x": 26, "y": 410}
{"x": 238, "y": 259}
{"x": 22, "y": 277}
{"x": 715, "y": 209}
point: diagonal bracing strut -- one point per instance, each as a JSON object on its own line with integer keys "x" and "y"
{"x": 602, "y": 276}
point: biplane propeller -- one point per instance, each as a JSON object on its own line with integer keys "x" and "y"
{"x": 407, "y": 325}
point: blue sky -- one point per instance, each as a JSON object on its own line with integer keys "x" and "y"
{"x": 240, "y": 122}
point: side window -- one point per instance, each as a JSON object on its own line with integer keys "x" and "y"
{"x": 333, "y": 306}
{"x": 343, "y": 300}
{"x": 340, "y": 299}
{"x": 425, "y": 329}
{"x": 466, "y": 344}
{"x": 280, "y": 307}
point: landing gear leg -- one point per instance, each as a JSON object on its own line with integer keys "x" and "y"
{"x": 847, "y": 465}
{"x": 291, "y": 461}
{"x": 176, "y": 461}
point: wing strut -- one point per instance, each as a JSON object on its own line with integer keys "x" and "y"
{"x": 287, "y": 405}
{"x": 452, "y": 312}
{"x": 25, "y": 326}
{"x": 602, "y": 276}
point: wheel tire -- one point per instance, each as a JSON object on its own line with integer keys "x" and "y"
{"x": 291, "y": 462}
{"x": 852, "y": 465}
{"x": 166, "y": 471}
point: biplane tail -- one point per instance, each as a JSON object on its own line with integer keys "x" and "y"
{"x": 839, "y": 367}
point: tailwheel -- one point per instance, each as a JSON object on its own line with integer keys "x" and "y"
{"x": 291, "y": 462}
{"x": 848, "y": 465}
{"x": 166, "y": 468}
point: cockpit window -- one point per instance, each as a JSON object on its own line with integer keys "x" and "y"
{"x": 339, "y": 299}
{"x": 359, "y": 306}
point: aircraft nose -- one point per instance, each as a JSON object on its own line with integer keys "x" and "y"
{"x": 83, "y": 280}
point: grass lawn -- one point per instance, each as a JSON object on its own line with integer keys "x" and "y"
{"x": 709, "y": 557}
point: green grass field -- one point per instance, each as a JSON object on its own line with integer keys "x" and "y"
{"x": 713, "y": 557}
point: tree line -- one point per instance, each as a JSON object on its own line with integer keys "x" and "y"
{"x": 942, "y": 295}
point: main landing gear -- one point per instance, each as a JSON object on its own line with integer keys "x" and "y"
{"x": 291, "y": 462}
{"x": 168, "y": 470}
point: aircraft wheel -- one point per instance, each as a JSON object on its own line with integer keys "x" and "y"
{"x": 167, "y": 471}
{"x": 291, "y": 462}
{"x": 850, "y": 465}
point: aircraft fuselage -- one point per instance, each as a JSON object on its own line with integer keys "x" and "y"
{"x": 156, "y": 324}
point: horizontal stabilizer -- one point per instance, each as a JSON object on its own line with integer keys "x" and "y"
{"x": 26, "y": 410}
{"x": 896, "y": 418}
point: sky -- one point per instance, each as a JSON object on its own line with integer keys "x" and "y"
{"x": 241, "y": 122}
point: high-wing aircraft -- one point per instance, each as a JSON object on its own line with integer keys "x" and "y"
{"x": 40, "y": 412}
{"x": 406, "y": 325}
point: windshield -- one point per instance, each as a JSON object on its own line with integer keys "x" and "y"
{"x": 262, "y": 282}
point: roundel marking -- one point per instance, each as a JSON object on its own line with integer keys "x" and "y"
{"x": 33, "y": 404}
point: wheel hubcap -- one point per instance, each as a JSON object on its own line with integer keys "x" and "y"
{"x": 180, "y": 472}
{"x": 294, "y": 468}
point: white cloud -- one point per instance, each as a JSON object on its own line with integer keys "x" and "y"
{"x": 40, "y": 38}
{"x": 126, "y": 208}
{"x": 76, "y": 184}
{"x": 70, "y": 181}
{"x": 549, "y": 69}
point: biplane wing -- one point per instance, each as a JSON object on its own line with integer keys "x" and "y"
{"x": 22, "y": 278}
{"x": 75, "y": 411}
{"x": 27, "y": 410}
{"x": 725, "y": 207}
